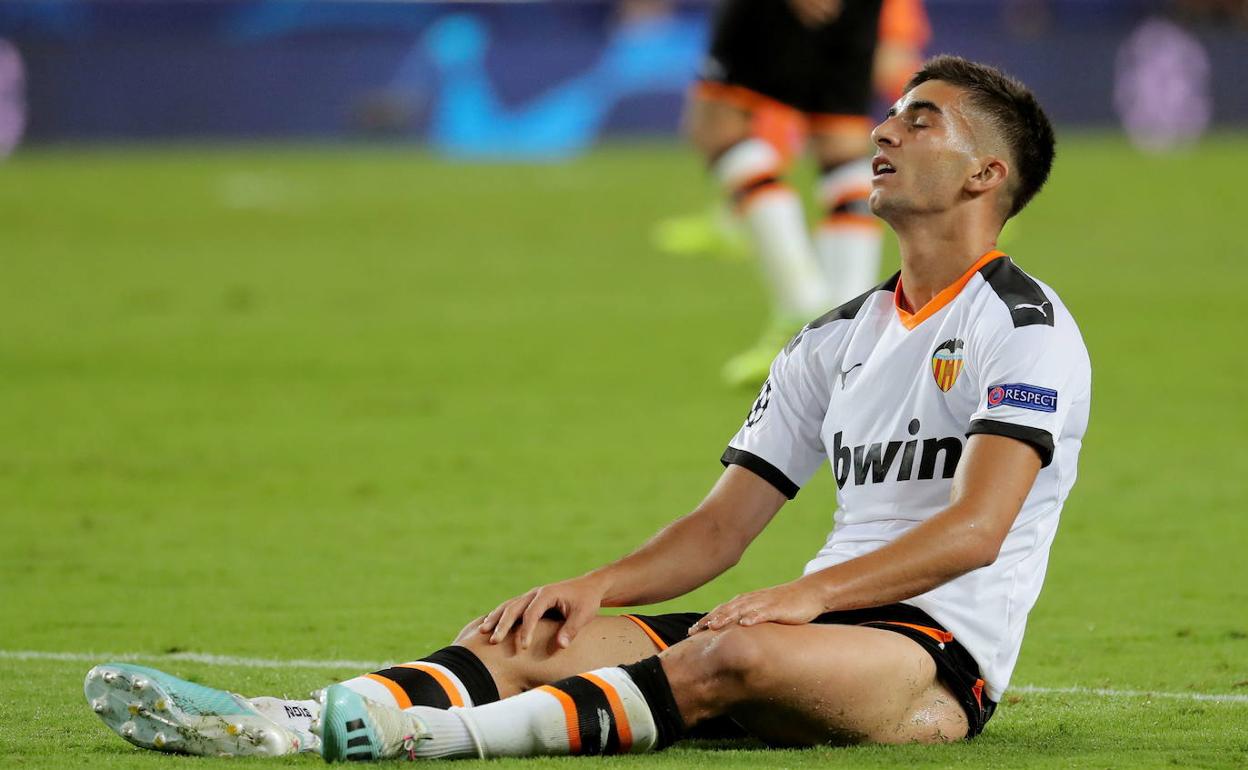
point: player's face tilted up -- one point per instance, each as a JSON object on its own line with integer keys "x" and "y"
{"x": 932, "y": 154}
{"x": 960, "y": 147}
{"x": 951, "y": 400}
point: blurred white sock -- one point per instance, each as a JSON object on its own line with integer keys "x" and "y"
{"x": 750, "y": 171}
{"x": 449, "y": 737}
{"x": 848, "y": 240}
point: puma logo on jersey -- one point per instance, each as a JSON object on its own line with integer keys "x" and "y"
{"x": 873, "y": 463}
{"x": 1040, "y": 307}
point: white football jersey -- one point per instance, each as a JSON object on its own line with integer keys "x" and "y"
{"x": 890, "y": 399}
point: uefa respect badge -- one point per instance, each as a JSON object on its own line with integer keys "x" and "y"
{"x": 1023, "y": 396}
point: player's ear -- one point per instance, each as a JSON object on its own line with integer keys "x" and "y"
{"x": 993, "y": 173}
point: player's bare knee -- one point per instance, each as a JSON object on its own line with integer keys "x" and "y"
{"x": 470, "y": 631}
{"x": 515, "y": 669}
{"x": 938, "y": 716}
{"x": 737, "y": 655}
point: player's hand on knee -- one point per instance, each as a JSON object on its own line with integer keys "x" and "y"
{"x": 790, "y": 603}
{"x": 500, "y": 621}
{"x": 576, "y": 600}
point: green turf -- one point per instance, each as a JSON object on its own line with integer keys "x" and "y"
{"x": 329, "y": 403}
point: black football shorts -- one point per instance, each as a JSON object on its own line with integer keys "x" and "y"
{"x": 760, "y": 46}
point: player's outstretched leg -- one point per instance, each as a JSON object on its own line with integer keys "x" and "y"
{"x": 788, "y": 685}
{"x": 363, "y": 721}
{"x": 155, "y": 710}
{"x": 616, "y": 710}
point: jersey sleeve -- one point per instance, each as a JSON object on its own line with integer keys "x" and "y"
{"x": 780, "y": 440}
{"x": 1027, "y": 386}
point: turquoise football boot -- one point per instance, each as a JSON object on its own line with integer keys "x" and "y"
{"x": 355, "y": 728}
{"x": 155, "y": 710}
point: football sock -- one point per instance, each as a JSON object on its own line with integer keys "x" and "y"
{"x": 452, "y": 676}
{"x": 619, "y": 710}
{"x": 294, "y": 715}
{"x": 749, "y": 171}
{"x": 848, "y": 239}
{"x": 648, "y": 676}
{"x": 449, "y": 736}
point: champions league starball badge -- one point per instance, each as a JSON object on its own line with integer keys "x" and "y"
{"x": 947, "y": 363}
{"x": 760, "y": 405}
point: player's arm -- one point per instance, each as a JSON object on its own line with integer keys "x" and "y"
{"x": 684, "y": 555}
{"x": 773, "y": 454}
{"x": 993, "y": 479}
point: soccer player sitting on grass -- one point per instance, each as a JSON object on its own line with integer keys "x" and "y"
{"x": 951, "y": 402}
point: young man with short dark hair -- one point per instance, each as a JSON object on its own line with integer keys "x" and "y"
{"x": 951, "y": 402}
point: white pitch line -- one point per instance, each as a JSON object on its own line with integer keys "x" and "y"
{"x": 1028, "y": 689}
{"x": 372, "y": 665}
{"x": 191, "y": 657}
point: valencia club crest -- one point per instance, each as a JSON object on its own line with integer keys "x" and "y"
{"x": 947, "y": 363}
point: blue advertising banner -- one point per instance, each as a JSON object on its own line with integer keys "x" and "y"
{"x": 529, "y": 79}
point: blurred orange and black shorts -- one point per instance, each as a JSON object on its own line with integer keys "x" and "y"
{"x": 760, "y": 50}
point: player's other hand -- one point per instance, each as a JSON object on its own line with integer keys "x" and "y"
{"x": 816, "y": 13}
{"x": 577, "y": 600}
{"x": 791, "y": 603}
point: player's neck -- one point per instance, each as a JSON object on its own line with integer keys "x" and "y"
{"x": 935, "y": 255}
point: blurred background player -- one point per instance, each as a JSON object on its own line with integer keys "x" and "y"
{"x": 778, "y": 74}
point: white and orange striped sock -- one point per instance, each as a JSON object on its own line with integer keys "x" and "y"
{"x": 599, "y": 712}
{"x": 750, "y": 172}
{"x": 450, "y": 677}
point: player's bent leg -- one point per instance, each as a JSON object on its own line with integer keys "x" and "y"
{"x": 155, "y": 710}
{"x": 814, "y": 684}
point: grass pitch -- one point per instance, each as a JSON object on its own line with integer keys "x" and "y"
{"x": 329, "y": 404}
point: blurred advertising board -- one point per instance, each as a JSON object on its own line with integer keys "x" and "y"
{"x": 535, "y": 79}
